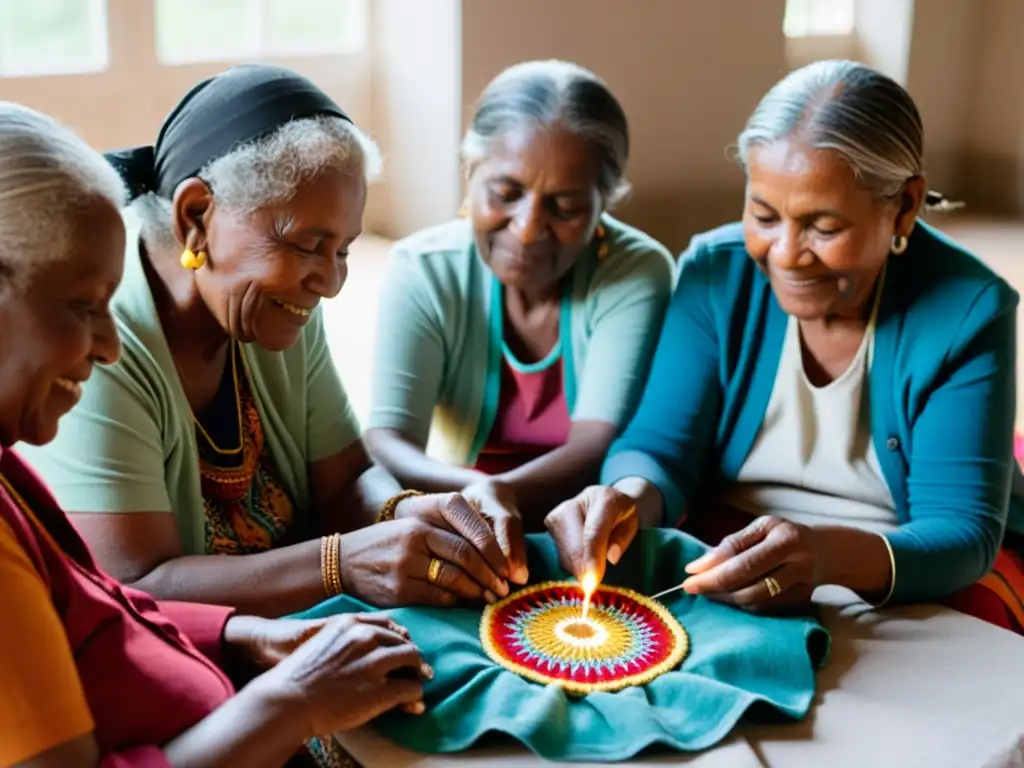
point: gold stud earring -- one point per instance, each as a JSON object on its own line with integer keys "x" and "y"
{"x": 899, "y": 244}
{"x": 602, "y": 245}
{"x": 464, "y": 210}
{"x": 193, "y": 261}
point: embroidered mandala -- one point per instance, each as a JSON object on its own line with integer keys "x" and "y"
{"x": 540, "y": 633}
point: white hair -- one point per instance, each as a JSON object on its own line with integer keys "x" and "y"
{"x": 866, "y": 117}
{"x": 47, "y": 175}
{"x": 271, "y": 169}
{"x": 541, "y": 94}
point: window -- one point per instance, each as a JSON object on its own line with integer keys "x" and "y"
{"x": 819, "y": 18}
{"x": 52, "y": 37}
{"x": 189, "y": 31}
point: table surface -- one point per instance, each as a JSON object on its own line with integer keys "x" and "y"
{"x": 903, "y": 687}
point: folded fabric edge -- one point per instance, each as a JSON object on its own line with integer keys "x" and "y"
{"x": 389, "y": 728}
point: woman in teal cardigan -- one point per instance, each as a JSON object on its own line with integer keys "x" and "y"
{"x": 833, "y": 373}
{"x": 519, "y": 337}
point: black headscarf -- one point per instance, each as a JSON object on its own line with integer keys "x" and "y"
{"x": 239, "y": 105}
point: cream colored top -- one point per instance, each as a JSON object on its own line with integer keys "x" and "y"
{"x": 814, "y": 461}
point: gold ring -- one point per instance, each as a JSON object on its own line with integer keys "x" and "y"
{"x": 434, "y": 571}
{"x": 774, "y": 590}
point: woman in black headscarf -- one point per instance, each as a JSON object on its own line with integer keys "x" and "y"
{"x": 224, "y": 429}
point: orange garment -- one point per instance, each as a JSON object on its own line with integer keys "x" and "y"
{"x": 43, "y": 704}
{"x": 141, "y": 666}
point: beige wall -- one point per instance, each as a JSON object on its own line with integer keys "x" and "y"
{"x": 993, "y": 161}
{"x": 966, "y": 72}
{"x": 940, "y": 75}
{"x": 126, "y": 104}
{"x": 686, "y": 94}
{"x": 415, "y": 112}
{"x": 676, "y": 67}
{"x": 687, "y": 72}
{"x": 883, "y": 32}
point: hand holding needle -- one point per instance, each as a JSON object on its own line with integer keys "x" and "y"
{"x": 694, "y": 567}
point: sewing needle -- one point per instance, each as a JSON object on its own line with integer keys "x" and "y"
{"x": 665, "y": 592}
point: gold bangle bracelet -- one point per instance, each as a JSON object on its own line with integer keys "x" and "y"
{"x": 324, "y": 543}
{"x": 892, "y": 572}
{"x": 330, "y": 564}
{"x": 336, "y": 583}
{"x": 387, "y": 510}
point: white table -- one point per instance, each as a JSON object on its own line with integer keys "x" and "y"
{"x": 903, "y": 688}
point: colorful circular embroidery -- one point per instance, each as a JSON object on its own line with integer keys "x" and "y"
{"x": 626, "y": 639}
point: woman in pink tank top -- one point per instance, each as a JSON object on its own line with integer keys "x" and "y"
{"x": 520, "y": 334}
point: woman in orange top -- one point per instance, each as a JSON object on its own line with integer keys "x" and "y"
{"x": 93, "y": 673}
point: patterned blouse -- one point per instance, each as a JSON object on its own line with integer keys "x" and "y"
{"x": 246, "y": 507}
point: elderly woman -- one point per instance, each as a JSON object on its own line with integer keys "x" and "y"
{"x": 523, "y": 334}
{"x": 218, "y": 460}
{"x": 834, "y": 369}
{"x": 92, "y": 673}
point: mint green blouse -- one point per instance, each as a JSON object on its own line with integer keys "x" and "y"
{"x": 437, "y": 366}
{"x": 129, "y": 445}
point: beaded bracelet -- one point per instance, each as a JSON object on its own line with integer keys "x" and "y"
{"x": 387, "y": 510}
{"x": 330, "y": 564}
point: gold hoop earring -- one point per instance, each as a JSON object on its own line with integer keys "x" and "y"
{"x": 899, "y": 244}
{"x": 193, "y": 261}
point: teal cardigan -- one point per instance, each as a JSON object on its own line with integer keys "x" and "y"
{"x": 942, "y": 406}
{"x": 437, "y": 360}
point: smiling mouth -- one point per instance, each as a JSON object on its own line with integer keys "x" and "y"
{"x": 805, "y": 283}
{"x": 70, "y": 386}
{"x": 298, "y": 311}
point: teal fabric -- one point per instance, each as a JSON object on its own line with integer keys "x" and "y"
{"x": 942, "y": 399}
{"x": 736, "y": 661}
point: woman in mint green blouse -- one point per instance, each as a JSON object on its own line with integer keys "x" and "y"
{"x": 519, "y": 336}
{"x": 218, "y": 460}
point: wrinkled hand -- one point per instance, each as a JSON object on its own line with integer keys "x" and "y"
{"x": 265, "y": 642}
{"x": 356, "y": 667}
{"x": 388, "y": 564}
{"x": 593, "y": 528}
{"x": 496, "y": 503}
{"x": 736, "y": 571}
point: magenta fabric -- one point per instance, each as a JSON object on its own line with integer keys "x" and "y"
{"x": 532, "y": 419}
{"x": 149, "y": 671}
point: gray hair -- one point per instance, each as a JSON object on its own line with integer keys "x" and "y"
{"x": 860, "y": 113}
{"x": 270, "y": 170}
{"x": 47, "y": 175}
{"x": 543, "y": 94}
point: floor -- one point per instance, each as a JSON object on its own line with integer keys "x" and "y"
{"x": 351, "y": 318}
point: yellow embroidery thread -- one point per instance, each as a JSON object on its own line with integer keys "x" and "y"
{"x": 558, "y": 634}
